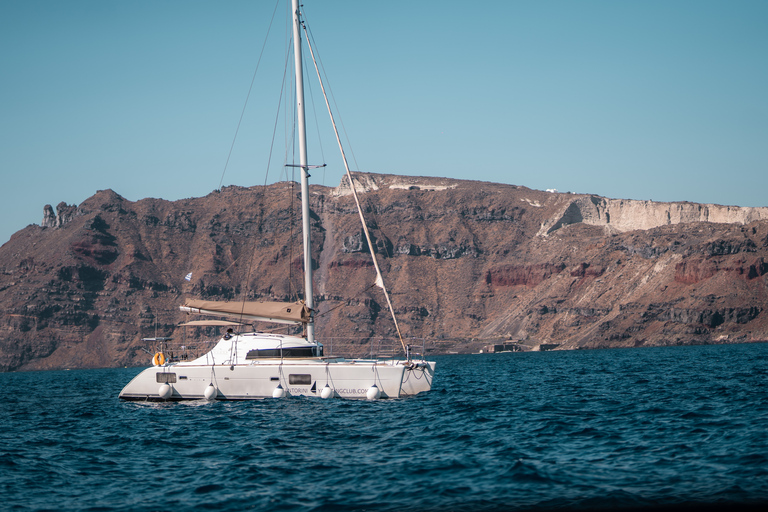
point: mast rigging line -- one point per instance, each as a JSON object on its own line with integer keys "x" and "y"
{"x": 343, "y": 303}
{"x": 308, "y": 32}
{"x": 246, "y": 287}
{"x": 247, "y": 96}
{"x": 317, "y": 125}
{"x": 379, "y": 277}
{"x": 277, "y": 119}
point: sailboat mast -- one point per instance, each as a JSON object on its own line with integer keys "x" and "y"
{"x": 308, "y": 298}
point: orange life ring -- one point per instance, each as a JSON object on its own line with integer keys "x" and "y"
{"x": 159, "y": 359}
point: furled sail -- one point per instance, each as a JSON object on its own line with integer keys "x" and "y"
{"x": 210, "y": 323}
{"x": 278, "y": 312}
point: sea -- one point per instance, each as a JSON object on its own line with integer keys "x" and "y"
{"x": 667, "y": 428}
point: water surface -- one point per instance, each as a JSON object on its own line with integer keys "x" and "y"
{"x": 616, "y": 429}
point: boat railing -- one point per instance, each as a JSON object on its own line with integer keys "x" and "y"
{"x": 373, "y": 348}
{"x": 416, "y": 349}
{"x": 384, "y": 349}
{"x": 180, "y": 351}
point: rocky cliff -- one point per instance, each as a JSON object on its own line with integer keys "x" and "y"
{"x": 468, "y": 263}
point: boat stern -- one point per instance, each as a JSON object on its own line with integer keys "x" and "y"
{"x": 417, "y": 377}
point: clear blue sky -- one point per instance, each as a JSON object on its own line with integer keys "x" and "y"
{"x": 663, "y": 100}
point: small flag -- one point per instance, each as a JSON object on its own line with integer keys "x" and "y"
{"x": 188, "y": 277}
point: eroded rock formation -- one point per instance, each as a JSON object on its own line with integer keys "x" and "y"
{"x": 64, "y": 214}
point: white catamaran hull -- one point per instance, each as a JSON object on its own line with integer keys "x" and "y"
{"x": 306, "y": 377}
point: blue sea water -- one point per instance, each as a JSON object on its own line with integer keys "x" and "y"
{"x": 673, "y": 427}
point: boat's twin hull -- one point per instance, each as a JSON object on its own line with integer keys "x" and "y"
{"x": 349, "y": 379}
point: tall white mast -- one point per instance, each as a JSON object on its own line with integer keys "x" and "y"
{"x": 308, "y": 298}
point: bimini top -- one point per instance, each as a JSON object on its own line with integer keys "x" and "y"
{"x": 279, "y": 312}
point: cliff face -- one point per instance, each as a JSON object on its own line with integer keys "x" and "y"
{"x": 467, "y": 263}
{"x": 620, "y": 215}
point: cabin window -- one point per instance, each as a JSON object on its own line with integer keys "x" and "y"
{"x": 284, "y": 352}
{"x": 299, "y": 379}
{"x": 165, "y": 378}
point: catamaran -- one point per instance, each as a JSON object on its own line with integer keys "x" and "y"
{"x": 256, "y": 365}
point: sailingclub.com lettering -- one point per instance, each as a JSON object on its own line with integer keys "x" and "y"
{"x": 339, "y": 391}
